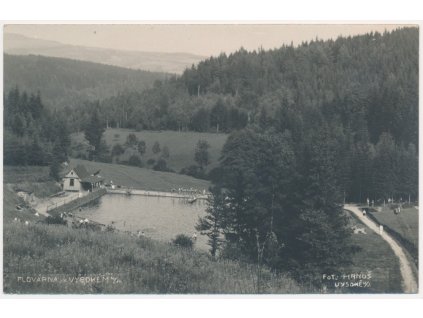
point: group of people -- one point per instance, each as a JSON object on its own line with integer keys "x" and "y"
{"x": 189, "y": 191}
{"x": 64, "y": 215}
{"x": 396, "y": 208}
{"x": 18, "y": 220}
{"x": 80, "y": 223}
{"x": 372, "y": 202}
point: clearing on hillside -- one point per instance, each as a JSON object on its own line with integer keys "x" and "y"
{"x": 181, "y": 144}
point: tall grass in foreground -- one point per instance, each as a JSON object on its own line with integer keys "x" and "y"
{"x": 83, "y": 261}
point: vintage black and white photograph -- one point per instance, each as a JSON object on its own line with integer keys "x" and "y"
{"x": 210, "y": 159}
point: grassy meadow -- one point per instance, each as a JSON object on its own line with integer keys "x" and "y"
{"x": 376, "y": 256}
{"x": 405, "y": 223}
{"x": 181, "y": 144}
{"x": 139, "y": 265}
{"x": 142, "y": 178}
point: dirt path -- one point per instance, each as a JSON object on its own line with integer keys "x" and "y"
{"x": 409, "y": 283}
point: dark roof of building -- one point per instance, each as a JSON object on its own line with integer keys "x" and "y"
{"x": 92, "y": 179}
{"x": 81, "y": 171}
{"x": 85, "y": 176}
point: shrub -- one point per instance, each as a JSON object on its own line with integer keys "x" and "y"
{"x": 110, "y": 228}
{"x": 151, "y": 161}
{"x": 138, "y": 127}
{"x": 55, "y": 219}
{"x": 215, "y": 175}
{"x": 131, "y": 140}
{"x": 194, "y": 171}
{"x": 117, "y": 150}
{"x": 141, "y": 147}
{"x": 165, "y": 152}
{"x": 156, "y": 148}
{"x": 55, "y": 170}
{"x": 135, "y": 160}
{"x": 161, "y": 165}
{"x": 183, "y": 240}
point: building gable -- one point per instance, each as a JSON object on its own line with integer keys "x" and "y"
{"x": 72, "y": 174}
{"x": 80, "y": 175}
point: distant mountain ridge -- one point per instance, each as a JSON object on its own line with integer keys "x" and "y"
{"x": 175, "y": 63}
{"x": 65, "y": 82}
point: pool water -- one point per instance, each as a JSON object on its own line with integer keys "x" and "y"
{"x": 161, "y": 218}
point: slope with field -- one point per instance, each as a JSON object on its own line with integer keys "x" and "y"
{"x": 142, "y": 178}
{"x": 408, "y": 281}
{"x": 375, "y": 256}
{"x": 181, "y": 144}
{"x": 405, "y": 223}
{"x": 403, "y": 226}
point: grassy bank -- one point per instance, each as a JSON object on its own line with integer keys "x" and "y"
{"x": 403, "y": 227}
{"x": 34, "y": 179}
{"x": 181, "y": 144}
{"x": 131, "y": 265}
{"x": 139, "y": 265}
{"x": 142, "y": 178}
{"x": 10, "y": 201}
{"x": 376, "y": 256}
{"x": 405, "y": 223}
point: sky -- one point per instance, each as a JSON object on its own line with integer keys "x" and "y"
{"x": 200, "y": 39}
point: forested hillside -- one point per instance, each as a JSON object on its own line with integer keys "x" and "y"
{"x": 368, "y": 82}
{"x": 364, "y": 88}
{"x": 33, "y": 135}
{"x": 65, "y": 82}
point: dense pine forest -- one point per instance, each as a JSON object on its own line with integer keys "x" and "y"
{"x": 33, "y": 135}
{"x": 310, "y": 127}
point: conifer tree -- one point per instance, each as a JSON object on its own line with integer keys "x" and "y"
{"x": 212, "y": 224}
{"x": 94, "y": 132}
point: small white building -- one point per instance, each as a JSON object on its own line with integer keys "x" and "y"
{"x": 79, "y": 179}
